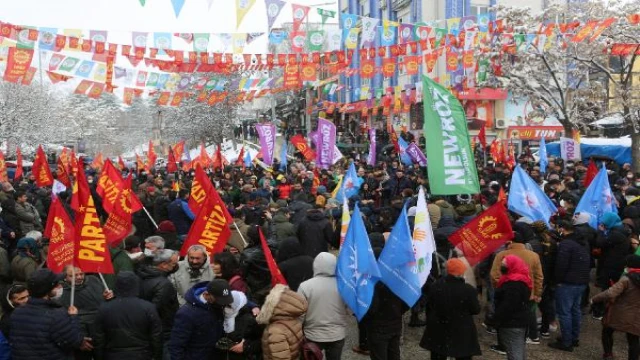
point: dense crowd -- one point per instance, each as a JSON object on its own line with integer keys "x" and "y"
{"x": 159, "y": 305}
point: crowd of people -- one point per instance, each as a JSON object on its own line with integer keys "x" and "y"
{"x": 158, "y": 305}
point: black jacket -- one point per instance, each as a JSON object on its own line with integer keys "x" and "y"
{"x": 42, "y": 330}
{"x": 385, "y": 313}
{"x": 450, "y": 331}
{"x": 512, "y": 305}
{"x": 573, "y": 261}
{"x": 161, "y": 209}
{"x": 298, "y": 209}
{"x": 255, "y": 271}
{"x": 156, "y": 288}
{"x": 197, "y": 328}
{"x": 294, "y": 265}
{"x": 615, "y": 248}
{"x": 88, "y": 297}
{"x": 128, "y": 327}
{"x": 315, "y": 233}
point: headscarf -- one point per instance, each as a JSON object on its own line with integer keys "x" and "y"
{"x": 231, "y": 311}
{"x": 610, "y": 220}
{"x": 517, "y": 270}
{"x": 28, "y": 247}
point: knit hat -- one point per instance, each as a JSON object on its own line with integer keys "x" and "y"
{"x": 166, "y": 227}
{"x": 633, "y": 261}
{"x": 456, "y": 267}
{"x": 41, "y": 282}
{"x": 581, "y": 218}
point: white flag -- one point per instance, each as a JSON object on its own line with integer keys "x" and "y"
{"x": 346, "y": 219}
{"x": 569, "y": 149}
{"x": 424, "y": 244}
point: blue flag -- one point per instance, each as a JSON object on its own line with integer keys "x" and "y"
{"x": 597, "y": 199}
{"x": 247, "y": 160}
{"x": 404, "y": 157}
{"x": 283, "y": 157}
{"x": 357, "y": 271}
{"x": 397, "y": 262}
{"x": 350, "y": 184}
{"x": 527, "y": 199}
{"x": 543, "y": 156}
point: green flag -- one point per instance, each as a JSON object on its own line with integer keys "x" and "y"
{"x": 452, "y": 169}
{"x": 325, "y": 14}
{"x": 315, "y": 40}
{"x": 142, "y": 2}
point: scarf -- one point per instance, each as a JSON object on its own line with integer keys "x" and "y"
{"x": 231, "y": 311}
{"x": 517, "y": 270}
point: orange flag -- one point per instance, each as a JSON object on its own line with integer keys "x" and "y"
{"x": 41, "y": 169}
{"x": 151, "y": 157}
{"x": 501, "y": 195}
{"x": 109, "y": 186}
{"x": 201, "y": 187}
{"x": 276, "y": 275}
{"x": 240, "y": 159}
{"x": 217, "y": 158}
{"x": 61, "y": 235}
{"x": 98, "y": 162}
{"x": 205, "y": 160}
{"x": 91, "y": 253}
{"x": 171, "y": 162}
{"x": 74, "y": 164}
{"x": 178, "y": 150}
{"x": 3, "y": 168}
{"x": 62, "y": 174}
{"x": 139, "y": 163}
{"x": 19, "y": 171}
{"x": 64, "y": 156}
{"x": 211, "y": 225}
{"x": 119, "y": 224}
{"x": 121, "y": 163}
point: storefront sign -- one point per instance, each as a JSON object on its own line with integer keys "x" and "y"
{"x": 535, "y": 132}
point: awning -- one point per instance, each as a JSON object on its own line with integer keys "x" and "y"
{"x": 611, "y": 120}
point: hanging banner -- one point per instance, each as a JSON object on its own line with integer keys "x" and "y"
{"x": 298, "y": 40}
{"x": 18, "y": 62}
{"x": 406, "y": 33}
{"x": 291, "y": 77}
{"x": 315, "y": 40}
{"x": 308, "y": 72}
{"x": 325, "y": 14}
{"x": 452, "y": 167}
{"x": 300, "y": 13}
{"x": 242, "y": 8}
{"x": 267, "y": 135}
{"x": 162, "y": 42}
{"x": 569, "y": 149}
{"x": 369, "y": 26}
{"x": 273, "y": 10}
{"x": 371, "y": 161}
{"x": 388, "y": 35}
{"x": 334, "y": 39}
{"x": 326, "y": 143}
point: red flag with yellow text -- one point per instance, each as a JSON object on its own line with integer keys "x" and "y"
{"x": 19, "y": 171}
{"x": 301, "y": 144}
{"x": 41, "y": 169}
{"x": 200, "y": 188}
{"x": 119, "y": 223}
{"x": 484, "y": 234}
{"x": 121, "y": 163}
{"x": 3, "y": 168}
{"x": 91, "y": 253}
{"x": 276, "y": 275}
{"x": 151, "y": 157}
{"x": 109, "y": 186}
{"x": 61, "y": 235}
{"x": 139, "y": 163}
{"x": 205, "y": 160}
{"x": 178, "y": 150}
{"x": 62, "y": 174}
{"x": 73, "y": 163}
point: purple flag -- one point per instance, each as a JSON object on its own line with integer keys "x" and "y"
{"x": 372, "y": 147}
{"x": 267, "y": 135}
{"x": 416, "y": 154}
{"x": 314, "y": 137}
{"x": 326, "y": 143}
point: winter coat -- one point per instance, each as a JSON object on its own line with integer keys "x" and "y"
{"x": 128, "y": 327}
{"x": 395, "y": 185}
{"x": 238, "y": 239}
{"x": 294, "y": 265}
{"x": 615, "y": 248}
{"x": 22, "y": 267}
{"x": 326, "y": 318}
{"x": 623, "y": 314}
{"x": 530, "y": 258}
{"x": 5, "y": 348}
{"x": 446, "y": 209}
{"x": 446, "y": 227}
{"x": 385, "y": 313}
{"x": 282, "y": 337}
{"x": 284, "y": 228}
{"x": 183, "y": 281}
{"x": 161, "y": 209}
{"x": 121, "y": 262}
{"x": 179, "y": 216}
{"x": 88, "y": 298}
{"x": 298, "y": 210}
{"x": 573, "y": 262}
{"x": 435, "y": 214}
{"x": 512, "y": 305}
{"x": 315, "y": 233}
{"x": 29, "y": 217}
{"x": 171, "y": 241}
{"x": 42, "y": 329}
{"x": 156, "y": 288}
{"x": 256, "y": 272}
{"x": 197, "y": 328}
{"x": 450, "y": 329}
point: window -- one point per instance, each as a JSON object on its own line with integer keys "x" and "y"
{"x": 478, "y": 10}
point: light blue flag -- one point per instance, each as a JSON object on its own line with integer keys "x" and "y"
{"x": 283, "y": 157}
{"x": 247, "y": 160}
{"x": 404, "y": 157}
{"x": 598, "y": 199}
{"x": 527, "y": 199}
{"x": 85, "y": 68}
{"x": 47, "y": 38}
{"x": 350, "y": 184}
{"x": 357, "y": 270}
{"x": 162, "y": 81}
{"x": 162, "y": 41}
{"x": 388, "y": 36}
{"x": 543, "y": 156}
{"x": 397, "y": 262}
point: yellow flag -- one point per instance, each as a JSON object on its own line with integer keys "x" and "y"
{"x": 346, "y": 219}
{"x": 351, "y": 42}
{"x": 239, "y": 41}
{"x": 100, "y": 74}
{"x": 338, "y": 186}
{"x": 242, "y": 8}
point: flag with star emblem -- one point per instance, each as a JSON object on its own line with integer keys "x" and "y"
{"x": 109, "y": 186}
{"x": 91, "y": 253}
{"x": 597, "y": 199}
{"x": 119, "y": 223}
{"x": 350, "y": 184}
{"x": 527, "y": 199}
{"x": 62, "y": 174}
{"x": 61, "y": 235}
{"x": 357, "y": 271}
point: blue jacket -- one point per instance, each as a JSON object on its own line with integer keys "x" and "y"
{"x": 181, "y": 216}
{"x": 197, "y": 327}
{"x": 573, "y": 261}
{"x": 5, "y": 349}
{"x": 43, "y": 330}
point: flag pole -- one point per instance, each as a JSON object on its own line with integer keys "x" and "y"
{"x": 150, "y": 217}
{"x": 73, "y": 284}
{"x": 240, "y": 232}
{"x": 104, "y": 282}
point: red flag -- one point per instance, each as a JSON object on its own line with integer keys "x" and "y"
{"x": 62, "y": 174}
{"x": 119, "y": 224}
{"x": 3, "y": 168}
{"x": 121, "y": 163}
{"x": 61, "y": 235}
{"x": 171, "y": 162}
{"x": 41, "y": 169}
{"x": 592, "y": 171}
{"x": 109, "y": 186}
{"x": 276, "y": 275}
{"x": 151, "y": 157}
{"x": 211, "y": 226}
{"x": 217, "y": 159}
{"x": 496, "y": 151}
{"x": 19, "y": 171}
{"x": 394, "y": 140}
{"x": 64, "y": 157}
{"x": 482, "y": 136}
{"x": 90, "y": 251}
{"x": 139, "y": 163}
{"x": 178, "y": 150}
{"x": 484, "y": 234}
{"x": 240, "y": 159}
{"x": 74, "y": 164}
{"x": 502, "y": 196}
{"x": 200, "y": 188}
{"x": 301, "y": 144}
{"x": 205, "y": 160}
{"x": 98, "y": 162}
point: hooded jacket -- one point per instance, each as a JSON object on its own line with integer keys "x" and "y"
{"x": 615, "y": 245}
{"x": 284, "y": 228}
{"x": 315, "y": 233}
{"x": 294, "y": 265}
{"x": 183, "y": 281}
{"x": 625, "y": 295}
{"x": 197, "y": 328}
{"x": 283, "y": 335}
{"x": 88, "y": 298}
{"x": 127, "y": 327}
{"x": 573, "y": 262}
{"x": 326, "y": 317}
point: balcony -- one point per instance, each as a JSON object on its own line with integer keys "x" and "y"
{"x": 397, "y": 5}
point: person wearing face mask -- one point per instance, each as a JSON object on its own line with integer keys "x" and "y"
{"x": 152, "y": 244}
{"x": 11, "y": 297}
{"x": 192, "y": 270}
{"x": 631, "y": 197}
{"x": 157, "y": 289}
{"x": 43, "y": 326}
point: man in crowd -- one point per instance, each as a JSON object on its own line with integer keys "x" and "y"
{"x": 194, "y": 269}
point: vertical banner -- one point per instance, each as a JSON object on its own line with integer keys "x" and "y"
{"x": 273, "y": 10}
{"x": 299, "y": 15}
{"x": 369, "y": 26}
{"x": 372, "y": 147}
{"x": 18, "y": 62}
{"x": 569, "y": 149}
{"x": 326, "y": 143}
{"x": 452, "y": 167}
{"x": 267, "y": 135}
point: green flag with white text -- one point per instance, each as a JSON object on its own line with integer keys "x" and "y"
{"x": 451, "y": 166}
